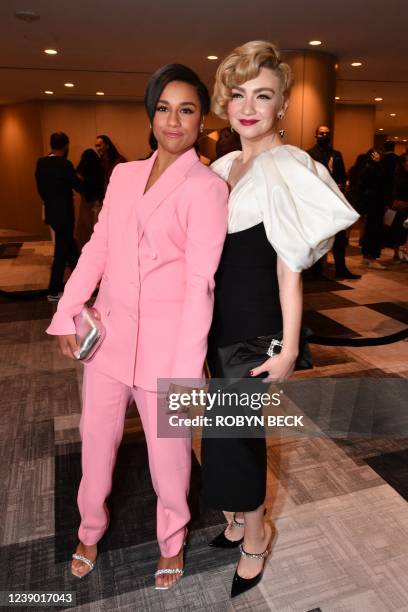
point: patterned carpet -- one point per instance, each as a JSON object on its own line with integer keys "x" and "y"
{"x": 340, "y": 506}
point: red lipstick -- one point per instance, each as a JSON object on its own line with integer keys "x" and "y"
{"x": 248, "y": 121}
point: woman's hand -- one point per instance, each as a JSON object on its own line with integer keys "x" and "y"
{"x": 279, "y": 368}
{"x": 68, "y": 346}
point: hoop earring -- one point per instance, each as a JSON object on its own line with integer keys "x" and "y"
{"x": 232, "y": 129}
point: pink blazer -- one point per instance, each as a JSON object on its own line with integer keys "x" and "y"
{"x": 156, "y": 255}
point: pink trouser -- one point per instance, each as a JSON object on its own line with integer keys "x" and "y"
{"x": 103, "y": 413}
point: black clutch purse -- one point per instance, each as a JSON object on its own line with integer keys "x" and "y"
{"x": 236, "y": 360}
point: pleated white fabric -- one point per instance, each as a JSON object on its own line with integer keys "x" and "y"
{"x": 295, "y": 197}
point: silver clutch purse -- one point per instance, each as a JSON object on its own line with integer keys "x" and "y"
{"x": 89, "y": 331}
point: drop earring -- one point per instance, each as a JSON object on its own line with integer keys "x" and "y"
{"x": 201, "y": 128}
{"x": 232, "y": 130}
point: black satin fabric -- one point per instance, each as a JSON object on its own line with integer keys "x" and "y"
{"x": 236, "y": 360}
{"x": 246, "y": 306}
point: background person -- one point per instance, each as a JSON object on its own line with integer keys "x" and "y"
{"x": 399, "y": 231}
{"x": 374, "y": 193}
{"x": 108, "y": 154}
{"x": 156, "y": 247}
{"x": 228, "y": 141}
{"x": 92, "y": 177}
{"x": 324, "y": 153}
{"x": 56, "y": 179}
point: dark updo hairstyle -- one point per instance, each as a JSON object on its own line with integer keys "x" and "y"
{"x": 161, "y": 78}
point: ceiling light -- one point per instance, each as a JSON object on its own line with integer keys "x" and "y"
{"x": 337, "y": 98}
{"x": 212, "y": 57}
{"x": 69, "y": 84}
{"x": 404, "y": 140}
{"x": 315, "y": 43}
{"x": 355, "y": 64}
{"x": 380, "y": 129}
{"x": 378, "y": 99}
{"x": 48, "y": 92}
{"x": 393, "y": 114}
{"x": 396, "y": 137}
{"x": 50, "y": 51}
{"x": 27, "y": 15}
{"x": 100, "y": 93}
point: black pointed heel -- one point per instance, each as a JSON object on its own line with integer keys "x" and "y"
{"x": 239, "y": 584}
{"x": 221, "y": 541}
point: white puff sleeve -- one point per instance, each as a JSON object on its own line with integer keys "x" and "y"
{"x": 302, "y": 206}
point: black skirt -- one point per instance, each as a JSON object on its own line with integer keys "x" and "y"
{"x": 246, "y": 305}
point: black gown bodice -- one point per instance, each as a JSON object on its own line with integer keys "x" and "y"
{"x": 246, "y": 292}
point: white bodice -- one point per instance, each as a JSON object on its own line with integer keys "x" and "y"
{"x": 295, "y": 197}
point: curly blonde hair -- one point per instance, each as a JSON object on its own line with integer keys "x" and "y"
{"x": 244, "y": 64}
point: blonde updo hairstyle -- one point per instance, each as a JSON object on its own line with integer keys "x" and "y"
{"x": 244, "y": 64}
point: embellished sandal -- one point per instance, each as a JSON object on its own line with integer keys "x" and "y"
{"x": 239, "y": 584}
{"x": 221, "y": 540}
{"x": 170, "y": 571}
{"x": 88, "y": 562}
{"x": 160, "y": 572}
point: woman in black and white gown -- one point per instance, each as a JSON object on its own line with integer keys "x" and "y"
{"x": 284, "y": 210}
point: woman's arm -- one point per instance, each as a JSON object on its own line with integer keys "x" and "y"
{"x": 206, "y": 229}
{"x": 281, "y": 366}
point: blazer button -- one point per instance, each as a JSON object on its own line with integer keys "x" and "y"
{"x": 153, "y": 255}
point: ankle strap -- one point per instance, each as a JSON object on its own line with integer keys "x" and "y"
{"x": 236, "y": 523}
{"x": 262, "y": 555}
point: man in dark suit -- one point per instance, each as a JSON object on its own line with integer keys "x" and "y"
{"x": 333, "y": 160}
{"x": 56, "y": 178}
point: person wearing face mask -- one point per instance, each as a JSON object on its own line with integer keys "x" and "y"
{"x": 155, "y": 249}
{"x": 324, "y": 153}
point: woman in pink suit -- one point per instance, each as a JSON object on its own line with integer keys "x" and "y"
{"x": 155, "y": 249}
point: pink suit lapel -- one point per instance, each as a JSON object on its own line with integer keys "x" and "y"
{"x": 163, "y": 187}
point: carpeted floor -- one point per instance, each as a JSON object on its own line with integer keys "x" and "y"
{"x": 340, "y": 506}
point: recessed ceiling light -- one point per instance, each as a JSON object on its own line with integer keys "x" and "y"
{"x": 50, "y": 51}
{"x": 404, "y": 140}
{"x": 337, "y": 98}
{"x": 380, "y": 129}
{"x": 100, "y": 93}
{"x": 27, "y": 15}
{"x": 396, "y": 137}
{"x": 48, "y": 92}
{"x": 69, "y": 84}
{"x": 212, "y": 57}
{"x": 393, "y": 114}
{"x": 355, "y": 64}
{"x": 315, "y": 43}
{"x": 378, "y": 99}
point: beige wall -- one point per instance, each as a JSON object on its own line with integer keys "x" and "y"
{"x": 20, "y": 146}
{"x": 354, "y": 129}
{"x": 25, "y": 130}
